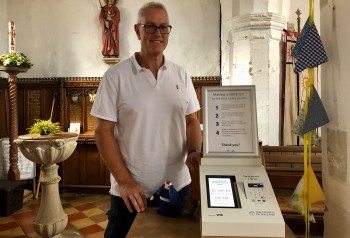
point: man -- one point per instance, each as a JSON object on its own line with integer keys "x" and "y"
{"x": 146, "y": 127}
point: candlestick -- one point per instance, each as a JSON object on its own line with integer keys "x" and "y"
{"x": 12, "y": 35}
{"x": 298, "y": 18}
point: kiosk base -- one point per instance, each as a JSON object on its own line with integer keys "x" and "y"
{"x": 250, "y": 210}
{"x": 150, "y": 224}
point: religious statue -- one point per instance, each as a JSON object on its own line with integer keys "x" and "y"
{"x": 109, "y": 19}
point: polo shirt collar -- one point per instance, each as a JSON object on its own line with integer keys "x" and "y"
{"x": 139, "y": 68}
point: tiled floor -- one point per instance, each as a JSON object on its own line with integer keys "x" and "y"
{"x": 86, "y": 217}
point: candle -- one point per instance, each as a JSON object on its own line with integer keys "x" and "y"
{"x": 12, "y": 34}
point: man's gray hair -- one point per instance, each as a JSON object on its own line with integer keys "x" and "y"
{"x": 148, "y": 5}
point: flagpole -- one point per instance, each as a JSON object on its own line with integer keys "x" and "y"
{"x": 312, "y": 109}
{"x": 307, "y": 136}
{"x": 307, "y": 147}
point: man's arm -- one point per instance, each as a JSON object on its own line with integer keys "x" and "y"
{"x": 109, "y": 150}
{"x": 194, "y": 141}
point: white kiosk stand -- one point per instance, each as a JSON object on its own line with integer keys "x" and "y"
{"x": 237, "y": 199}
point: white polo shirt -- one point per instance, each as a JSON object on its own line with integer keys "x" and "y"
{"x": 151, "y": 114}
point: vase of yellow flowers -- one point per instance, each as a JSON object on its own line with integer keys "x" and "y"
{"x": 44, "y": 127}
{"x": 15, "y": 62}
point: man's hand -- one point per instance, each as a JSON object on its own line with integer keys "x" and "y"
{"x": 193, "y": 160}
{"x": 133, "y": 196}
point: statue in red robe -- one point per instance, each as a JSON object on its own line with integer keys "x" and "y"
{"x": 109, "y": 19}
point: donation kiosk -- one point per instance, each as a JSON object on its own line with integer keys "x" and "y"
{"x": 237, "y": 198}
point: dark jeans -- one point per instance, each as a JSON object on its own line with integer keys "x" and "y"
{"x": 120, "y": 219}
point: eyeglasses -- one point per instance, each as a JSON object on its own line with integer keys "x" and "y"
{"x": 151, "y": 29}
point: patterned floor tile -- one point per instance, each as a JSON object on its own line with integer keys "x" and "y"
{"x": 96, "y": 235}
{"x": 76, "y": 216}
{"x": 103, "y": 224}
{"x": 4, "y": 220}
{"x": 79, "y": 202}
{"x": 26, "y": 221}
{"x": 93, "y": 211}
{"x": 90, "y": 229}
{"x": 28, "y": 228}
{"x": 85, "y": 206}
{"x": 23, "y": 215}
{"x": 86, "y": 213}
{"x": 71, "y": 233}
{"x": 70, "y": 210}
{"x": 99, "y": 217}
{"x": 81, "y": 223}
{"x": 8, "y": 225}
{"x": 33, "y": 235}
{"x": 14, "y": 232}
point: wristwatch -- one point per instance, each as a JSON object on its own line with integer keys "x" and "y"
{"x": 193, "y": 151}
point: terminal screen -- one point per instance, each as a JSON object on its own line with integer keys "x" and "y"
{"x": 222, "y": 192}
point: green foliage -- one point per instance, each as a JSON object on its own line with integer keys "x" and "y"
{"x": 44, "y": 127}
{"x": 15, "y": 60}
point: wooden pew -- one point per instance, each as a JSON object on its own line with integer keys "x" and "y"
{"x": 285, "y": 168}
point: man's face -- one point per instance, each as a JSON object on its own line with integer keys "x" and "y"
{"x": 153, "y": 44}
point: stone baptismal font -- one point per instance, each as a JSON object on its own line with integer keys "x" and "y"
{"x": 48, "y": 151}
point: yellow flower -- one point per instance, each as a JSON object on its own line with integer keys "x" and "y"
{"x": 15, "y": 60}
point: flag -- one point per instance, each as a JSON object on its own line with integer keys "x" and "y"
{"x": 316, "y": 115}
{"x": 315, "y": 193}
{"x": 300, "y": 42}
{"x": 299, "y": 124}
{"x": 312, "y": 52}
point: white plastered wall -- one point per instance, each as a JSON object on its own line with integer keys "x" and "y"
{"x": 3, "y": 35}
{"x": 63, "y": 38}
{"x": 335, "y": 97}
{"x": 251, "y": 46}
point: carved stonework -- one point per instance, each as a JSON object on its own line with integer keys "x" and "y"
{"x": 49, "y": 150}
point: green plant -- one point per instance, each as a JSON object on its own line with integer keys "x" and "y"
{"x": 44, "y": 127}
{"x": 15, "y": 59}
